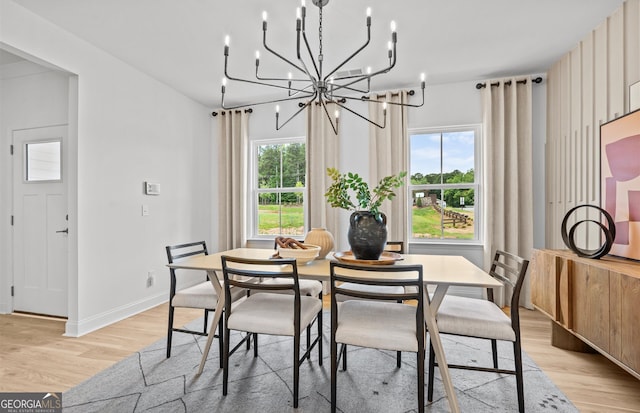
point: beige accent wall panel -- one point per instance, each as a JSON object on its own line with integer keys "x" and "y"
{"x": 632, "y": 46}
{"x": 551, "y": 154}
{"x": 616, "y": 64}
{"x": 576, "y": 176}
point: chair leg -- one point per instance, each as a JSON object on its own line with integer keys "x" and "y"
{"x": 296, "y": 368}
{"x": 494, "y": 353}
{"x": 308, "y": 340}
{"x": 420, "y": 380}
{"x": 432, "y": 362}
{"x": 225, "y": 362}
{"x": 206, "y": 321}
{"x": 255, "y": 345}
{"x": 221, "y": 339}
{"x": 170, "y": 330}
{"x": 399, "y": 353}
{"x": 249, "y": 341}
{"x": 319, "y": 322}
{"x": 344, "y": 357}
{"x": 334, "y": 371}
{"x": 519, "y": 379}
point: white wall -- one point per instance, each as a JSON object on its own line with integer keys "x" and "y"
{"x": 130, "y": 129}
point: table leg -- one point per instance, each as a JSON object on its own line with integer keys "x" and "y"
{"x": 216, "y": 319}
{"x": 430, "y": 311}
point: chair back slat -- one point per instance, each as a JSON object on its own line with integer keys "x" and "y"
{"x": 511, "y": 270}
{"x": 247, "y": 273}
{"x": 176, "y": 252}
{"x": 377, "y": 275}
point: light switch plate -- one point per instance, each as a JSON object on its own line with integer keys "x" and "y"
{"x": 151, "y": 188}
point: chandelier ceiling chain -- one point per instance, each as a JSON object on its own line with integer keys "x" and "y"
{"x": 333, "y": 88}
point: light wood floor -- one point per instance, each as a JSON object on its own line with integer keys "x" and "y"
{"x": 34, "y": 356}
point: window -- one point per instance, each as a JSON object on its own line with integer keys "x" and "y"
{"x": 279, "y": 183}
{"x": 444, "y": 184}
{"x": 42, "y": 161}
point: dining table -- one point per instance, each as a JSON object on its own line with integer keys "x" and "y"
{"x": 441, "y": 271}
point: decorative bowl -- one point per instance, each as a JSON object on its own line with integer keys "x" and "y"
{"x": 302, "y": 256}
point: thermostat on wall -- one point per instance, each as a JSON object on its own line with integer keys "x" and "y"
{"x": 151, "y": 188}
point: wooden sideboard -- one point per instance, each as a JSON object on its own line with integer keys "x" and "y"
{"x": 597, "y": 301}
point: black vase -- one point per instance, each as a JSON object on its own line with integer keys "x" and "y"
{"x": 367, "y": 234}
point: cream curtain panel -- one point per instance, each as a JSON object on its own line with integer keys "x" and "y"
{"x": 233, "y": 130}
{"x": 508, "y": 177}
{"x": 322, "y": 153}
{"x": 388, "y": 151}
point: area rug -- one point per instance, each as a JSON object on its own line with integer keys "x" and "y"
{"x": 149, "y": 382}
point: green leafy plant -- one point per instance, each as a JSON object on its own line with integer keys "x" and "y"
{"x": 346, "y": 185}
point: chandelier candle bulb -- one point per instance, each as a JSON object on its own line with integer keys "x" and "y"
{"x": 368, "y": 16}
{"x": 393, "y": 26}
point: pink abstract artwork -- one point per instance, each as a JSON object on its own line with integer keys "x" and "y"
{"x": 620, "y": 174}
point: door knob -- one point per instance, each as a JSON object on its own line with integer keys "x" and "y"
{"x": 66, "y": 231}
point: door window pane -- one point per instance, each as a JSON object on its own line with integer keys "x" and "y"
{"x": 43, "y": 162}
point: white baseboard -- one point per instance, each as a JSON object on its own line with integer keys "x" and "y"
{"x": 93, "y": 323}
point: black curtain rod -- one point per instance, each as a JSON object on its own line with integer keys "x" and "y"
{"x": 410, "y": 92}
{"x": 250, "y": 110}
{"x": 508, "y": 82}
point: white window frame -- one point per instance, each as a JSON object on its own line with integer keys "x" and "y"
{"x": 478, "y": 221}
{"x": 254, "y": 190}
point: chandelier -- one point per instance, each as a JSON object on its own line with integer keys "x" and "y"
{"x": 313, "y": 85}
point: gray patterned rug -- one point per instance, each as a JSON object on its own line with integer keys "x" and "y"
{"x": 149, "y": 382}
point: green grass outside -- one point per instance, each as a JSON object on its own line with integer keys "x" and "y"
{"x": 426, "y": 222}
{"x": 269, "y": 217}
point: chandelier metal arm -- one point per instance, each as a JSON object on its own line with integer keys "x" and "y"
{"x": 266, "y": 102}
{"x": 278, "y": 79}
{"x": 326, "y": 111}
{"x": 278, "y": 127}
{"x": 411, "y": 105}
{"x": 370, "y": 75}
{"x": 331, "y": 90}
{"x": 255, "y": 82}
{"x": 264, "y": 44}
{"x": 306, "y": 42}
{"x": 363, "y": 117}
{"x": 354, "y": 54}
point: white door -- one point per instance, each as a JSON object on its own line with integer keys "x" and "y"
{"x": 40, "y": 229}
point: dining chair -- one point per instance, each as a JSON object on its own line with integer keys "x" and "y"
{"x": 390, "y": 246}
{"x": 480, "y": 318}
{"x": 267, "y": 312}
{"x": 377, "y": 319}
{"x": 201, "y": 295}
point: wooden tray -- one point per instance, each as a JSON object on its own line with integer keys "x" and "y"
{"x": 386, "y": 258}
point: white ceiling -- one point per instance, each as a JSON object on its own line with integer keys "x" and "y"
{"x": 180, "y": 42}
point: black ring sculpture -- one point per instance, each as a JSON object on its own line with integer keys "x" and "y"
{"x": 609, "y": 232}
